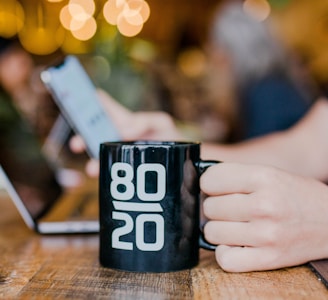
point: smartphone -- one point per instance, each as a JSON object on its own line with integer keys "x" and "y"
{"x": 76, "y": 96}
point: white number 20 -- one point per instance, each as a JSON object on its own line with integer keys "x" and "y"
{"x": 141, "y": 219}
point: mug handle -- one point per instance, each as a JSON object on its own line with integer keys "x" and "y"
{"x": 202, "y": 167}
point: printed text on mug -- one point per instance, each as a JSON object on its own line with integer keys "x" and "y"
{"x": 122, "y": 174}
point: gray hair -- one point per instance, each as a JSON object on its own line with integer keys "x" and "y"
{"x": 252, "y": 49}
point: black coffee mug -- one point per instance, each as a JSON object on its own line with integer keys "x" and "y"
{"x": 149, "y": 203}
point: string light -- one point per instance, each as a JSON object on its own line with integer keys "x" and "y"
{"x": 55, "y": 23}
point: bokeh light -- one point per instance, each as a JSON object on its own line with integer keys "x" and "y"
{"x": 41, "y": 33}
{"x": 258, "y": 9}
{"x": 86, "y": 31}
{"x": 77, "y": 17}
{"x": 192, "y": 62}
{"x": 11, "y": 18}
{"x": 128, "y": 15}
{"x": 112, "y": 9}
{"x": 65, "y": 17}
{"x": 52, "y": 24}
{"x": 135, "y": 8}
{"x": 40, "y": 40}
{"x": 126, "y": 28}
{"x": 73, "y": 45}
{"x": 88, "y": 6}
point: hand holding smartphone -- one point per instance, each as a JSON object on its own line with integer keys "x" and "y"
{"x": 76, "y": 97}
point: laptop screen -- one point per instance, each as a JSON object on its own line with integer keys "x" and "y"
{"x": 22, "y": 160}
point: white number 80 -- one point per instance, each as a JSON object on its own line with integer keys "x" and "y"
{"x": 127, "y": 178}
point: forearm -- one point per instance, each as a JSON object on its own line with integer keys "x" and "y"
{"x": 272, "y": 150}
{"x": 302, "y": 149}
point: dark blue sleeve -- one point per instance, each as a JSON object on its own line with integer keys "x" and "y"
{"x": 273, "y": 104}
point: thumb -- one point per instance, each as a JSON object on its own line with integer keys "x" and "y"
{"x": 246, "y": 259}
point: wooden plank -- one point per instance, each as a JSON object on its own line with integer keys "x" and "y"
{"x": 211, "y": 282}
{"x": 67, "y": 267}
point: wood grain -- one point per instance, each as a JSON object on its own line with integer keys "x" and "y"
{"x": 67, "y": 267}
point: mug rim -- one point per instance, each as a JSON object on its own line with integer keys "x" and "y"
{"x": 151, "y": 143}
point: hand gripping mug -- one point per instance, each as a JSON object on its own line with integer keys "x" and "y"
{"x": 149, "y": 203}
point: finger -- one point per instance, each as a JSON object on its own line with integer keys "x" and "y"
{"x": 231, "y": 233}
{"x": 246, "y": 259}
{"x": 234, "y": 207}
{"x": 140, "y": 125}
{"x": 77, "y": 144}
{"x": 227, "y": 178}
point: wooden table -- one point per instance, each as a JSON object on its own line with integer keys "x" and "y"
{"x": 67, "y": 267}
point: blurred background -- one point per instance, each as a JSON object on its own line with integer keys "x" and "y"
{"x": 152, "y": 54}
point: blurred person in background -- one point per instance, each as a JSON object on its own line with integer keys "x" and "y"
{"x": 270, "y": 90}
{"x": 19, "y": 78}
{"x": 21, "y": 87}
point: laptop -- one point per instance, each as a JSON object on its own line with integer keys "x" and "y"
{"x": 33, "y": 182}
